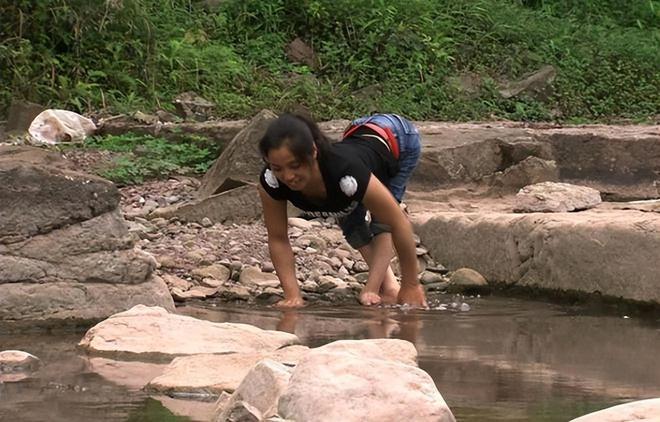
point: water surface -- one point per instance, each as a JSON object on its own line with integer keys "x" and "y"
{"x": 503, "y": 359}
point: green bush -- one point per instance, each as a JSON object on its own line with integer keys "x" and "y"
{"x": 387, "y": 55}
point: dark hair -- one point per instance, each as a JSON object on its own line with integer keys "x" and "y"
{"x": 298, "y": 133}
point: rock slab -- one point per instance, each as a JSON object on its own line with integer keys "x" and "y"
{"x": 152, "y": 333}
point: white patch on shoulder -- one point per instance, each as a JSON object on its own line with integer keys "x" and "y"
{"x": 271, "y": 179}
{"x": 348, "y": 185}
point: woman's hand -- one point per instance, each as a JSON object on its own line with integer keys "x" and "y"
{"x": 412, "y": 296}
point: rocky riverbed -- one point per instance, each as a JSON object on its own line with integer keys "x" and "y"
{"x": 231, "y": 261}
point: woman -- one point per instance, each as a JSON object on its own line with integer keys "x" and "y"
{"x": 367, "y": 170}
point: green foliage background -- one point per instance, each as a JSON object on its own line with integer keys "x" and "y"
{"x": 387, "y": 55}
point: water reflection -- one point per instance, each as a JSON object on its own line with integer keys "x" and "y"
{"x": 504, "y": 360}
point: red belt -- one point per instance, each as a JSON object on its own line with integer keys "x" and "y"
{"x": 384, "y": 132}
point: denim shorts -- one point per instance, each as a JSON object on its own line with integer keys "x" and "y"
{"x": 357, "y": 231}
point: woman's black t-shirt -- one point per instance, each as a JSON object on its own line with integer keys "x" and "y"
{"x": 346, "y": 168}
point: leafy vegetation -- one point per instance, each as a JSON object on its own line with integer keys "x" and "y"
{"x": 388, "y": 55}
{"x": 141, "y": 157}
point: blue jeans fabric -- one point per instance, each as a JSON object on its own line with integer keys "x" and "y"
{"x": 354, "y": 226}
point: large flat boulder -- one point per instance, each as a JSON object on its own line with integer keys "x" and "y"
{"x": 340, "y": 386}
{"x": 610, "y": 253}
{"x": 146, "y": 333}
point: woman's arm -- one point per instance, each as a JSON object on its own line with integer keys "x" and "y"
{"x": 382, "y": 205}
{"x": 275, "y": 218}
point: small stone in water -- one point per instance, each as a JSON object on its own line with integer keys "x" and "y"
{"x": 465, "y": 307}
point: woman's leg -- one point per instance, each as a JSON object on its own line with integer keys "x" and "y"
{"x": 382, "y": 286}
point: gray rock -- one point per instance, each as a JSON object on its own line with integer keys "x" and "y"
{"x": 240, "y": 162}
{"x": 429, "y": 277}
{"x": 556, "y": 197}
{"x": 467, "y": 280}
{"x": 31, "y": 185}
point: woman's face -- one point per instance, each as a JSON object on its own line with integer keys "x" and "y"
{"x": 291, "y": 171}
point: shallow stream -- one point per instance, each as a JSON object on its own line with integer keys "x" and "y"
{"x": 503, "y": 359}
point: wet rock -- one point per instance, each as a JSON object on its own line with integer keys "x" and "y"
{"x": 556, "y": 197}
{"x": 429, "y": 277}
{"x": 18, "y": 361}
{"x": 152, "y": 333}
{"x": 467, "y": 280}
{"x": 437, "y": 286}
{"x": 640, "y": 410}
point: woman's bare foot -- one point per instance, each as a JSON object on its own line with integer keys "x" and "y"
{"x": 369, "y": 298}
{"x": 294, "y": 302}
{"x": 389, "y": 291}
